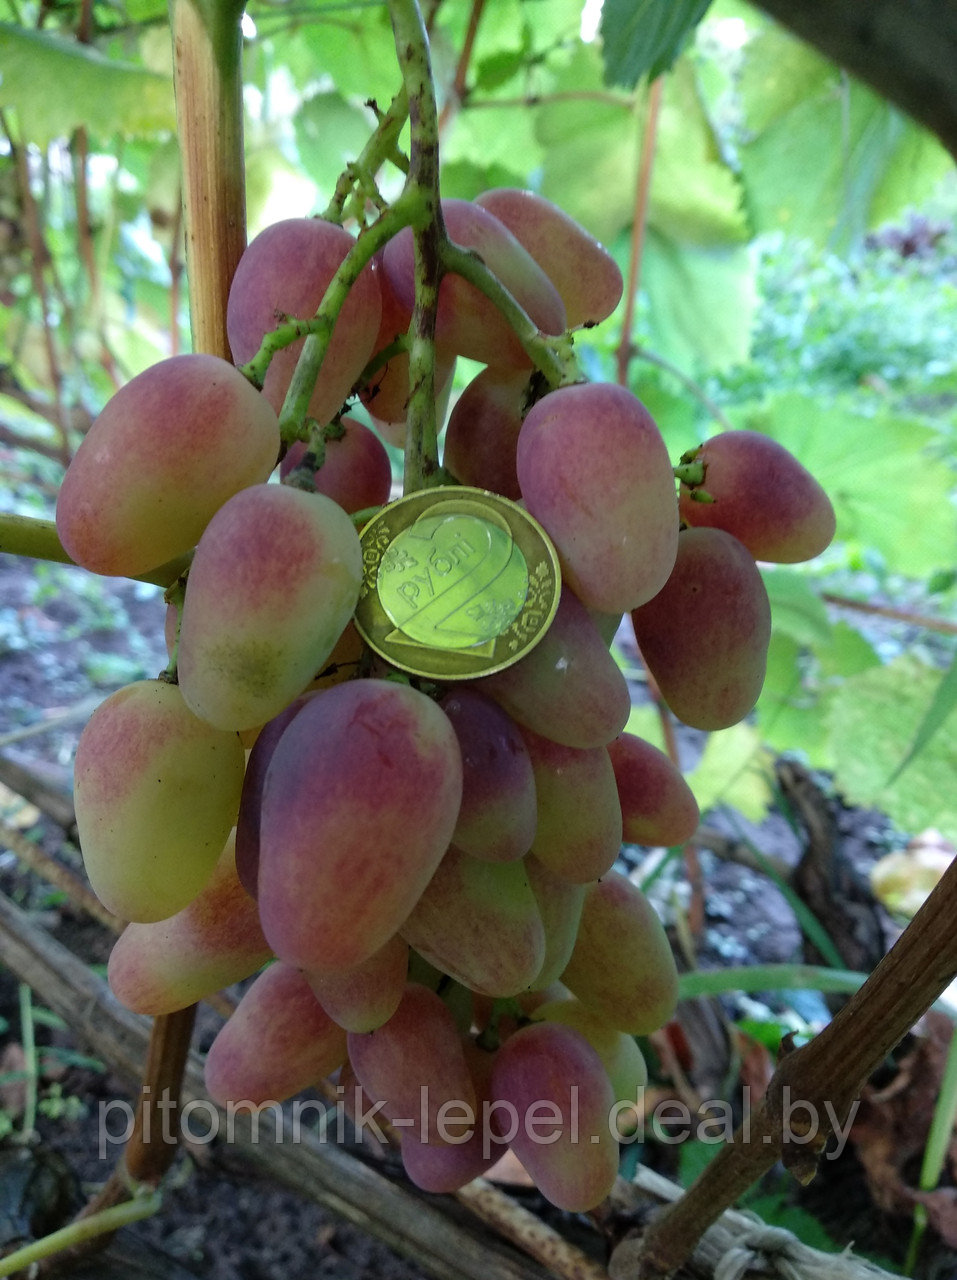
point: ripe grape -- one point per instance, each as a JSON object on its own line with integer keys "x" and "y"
{"x": 479, "y": 922}
{"x": 595, "y": 472}
{"x": 355, "y": 473}
{"x": 414, "y": 1063}
{"x": 622, "y": 966}
{"x": 705, "y": 635}
{"x": 213, "y": 942}
{"x": 160, "y": 459}
{"x": 278, "y": 1041}
{"x": 482, "y": 432}
{"x": 359, "y": 805}
{"x": 569, "y": 688}
{"x": 620, "y": 1055}
{"x": 282, "y": 275}
{"x": 273, "y": 583}
{"x": 560, "y": 906}
{"x": 156, "y": 793}
{"x": 362, "y": 998}
{"x": 585, "y": 274}
{"x": 657, "y": 805}
{"x": 578, "y": 835}
{"x": 498, "y": 813}
{"x": 560, "y": 1101}
{"x": 763, "y": 495}
{"x": 467, "y": 323}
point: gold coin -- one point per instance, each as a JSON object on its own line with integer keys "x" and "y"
{"x": 457, "y": 583}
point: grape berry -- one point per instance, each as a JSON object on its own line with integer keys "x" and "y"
{"x": 425, "y": 870}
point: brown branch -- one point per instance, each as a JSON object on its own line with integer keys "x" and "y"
{"x": 824, "y": 1077}
{"x": 55, "y": 873}
{"x": 39, "y": 258}
{"x": 639, "y": 227}
{"x": 631, "y": 1203}
{"x": 459, "y": 85}
{"x": 888, "y": 611}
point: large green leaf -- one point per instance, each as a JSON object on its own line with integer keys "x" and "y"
{"x": 889, "y": 490}
{"x": 827, "y": 157}
{"x": 796, "y": 608}
{"x": 735, "y": 770}
{"x": 696, "y": 196}
{"x": 872, "y": 717}
{"x": 53, "y": 85}
{"x": 941, "y": 708}
{"x": 644, "y": 37}
{"x": 329, "y": 132}
{"x": 589, "y": 146}
{"x": 701, "y": 302}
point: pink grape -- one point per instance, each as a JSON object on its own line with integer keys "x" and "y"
{"x": 705, "y": 636}
{"x": 569, "y": 688}
{"x": 161, "y": 458}
{"x": 763, "y": 495}
{"x": 213, "y": 942}
{"x": 560, "y": 906}
{"x": 595, "y": 472}
{"x": 356, "y": 472}
{"x": 578, "y": 835}
{"x": 585, "y": 274}
{"x": 560, "y": 1104}
{"x": 498, "y": 813}
{"x": 282, "y": 275}
{"x": 622, "y": 967}
{"x": 482, "y": 433}
{"x": 479, "y": 922}
{"x": 278, "y": 1042}
{"x": 273, "y": 583}
{"x": 415, "y": 1064}
{"x": 360, "y": 802}
{"x": 362, "y": 998}
{"x": 657, "y": 805}
{"x": 156, "y": 793}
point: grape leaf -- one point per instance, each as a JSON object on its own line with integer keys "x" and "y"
{"x": 939, "y": 711}
{"x": 696, "y": 197}
{"x": 860, "y": 160}
{"x": 54, "y": 85}
{"x": 644, "y": 37}
{"x": 587, "y": 137}
{"x": 700, "y": 302}
{"x": 735, "y": 770}
{"x": 796, "y": 608}
{"x": 871, "y": 714}
{"x": 329, "y": 132}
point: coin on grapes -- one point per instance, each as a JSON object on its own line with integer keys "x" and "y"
{"x": 457, "y": 583}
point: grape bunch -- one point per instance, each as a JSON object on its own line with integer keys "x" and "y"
{"x": 420, "y": 874}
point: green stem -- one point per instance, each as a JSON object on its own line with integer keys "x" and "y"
{"x": 554, "y": 357}
{"x": 767, "y": 977}
{"x": 938, "y": 1140}
{"x": 28, "y": 536}
{"x": 30, "y": 1060}
{"x": 318, "y": 330}
{"x": 83, "y": 1229}
{"x": 412, "y": 50}
{"x": 382, "y": 146}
